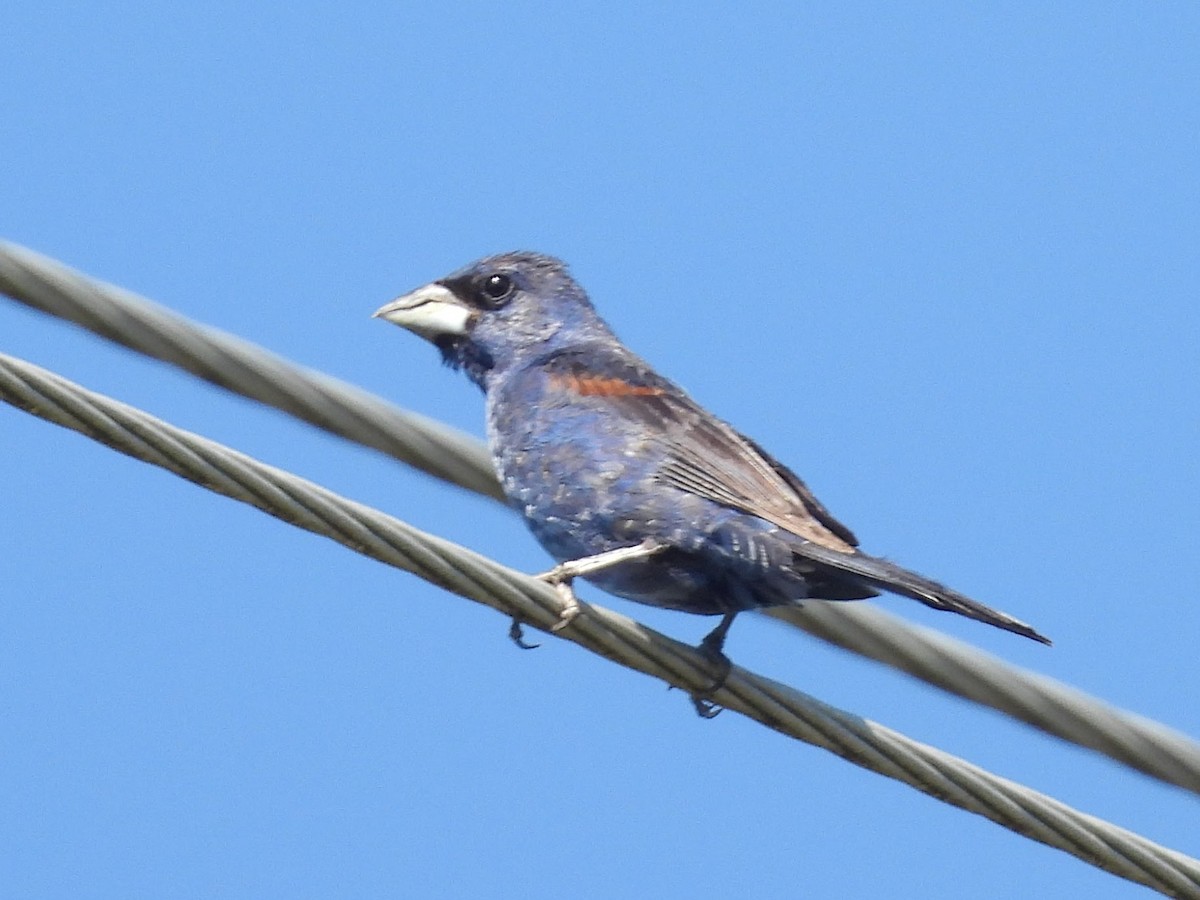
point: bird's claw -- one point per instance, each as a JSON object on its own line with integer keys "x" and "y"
{"x": 564, "y": 573}
{"x": 712, "y": 649}
{"x": 705, "y": 708}
{"x": 560, "y": 574}
{"x": 702, "y": 700}
{"x": 568, "y": 614}
{"x": 517, "y": 634}
{"x": 562, "y": 586}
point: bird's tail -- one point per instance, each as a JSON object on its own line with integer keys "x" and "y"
{"x": 890, "y": 577}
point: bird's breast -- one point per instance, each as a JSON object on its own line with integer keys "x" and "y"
{"x": 582, "y": 477}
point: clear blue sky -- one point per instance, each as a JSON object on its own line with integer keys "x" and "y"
{"x": 942, "y": 262}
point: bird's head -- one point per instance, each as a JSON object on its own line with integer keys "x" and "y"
{"x": 498, "y": 312}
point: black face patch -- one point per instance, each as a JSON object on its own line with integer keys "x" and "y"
{"x": 483, "y": 292}
{"x": 459, "y": 352}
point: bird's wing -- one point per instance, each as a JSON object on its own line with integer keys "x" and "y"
{"x": 705, "y": 456}
{"x": 708, "y": 458}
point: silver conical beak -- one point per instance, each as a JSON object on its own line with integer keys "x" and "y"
{"x": 431, "y": 311}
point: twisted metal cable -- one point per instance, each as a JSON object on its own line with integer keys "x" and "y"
{"x": 246, "y": 369}
{"x": 1040, "y": 701}
{"x": 372, "y": 533}
{"x": 867, "y": 630}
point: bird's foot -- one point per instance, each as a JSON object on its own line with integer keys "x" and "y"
{"x": 516, "y": 634}
{"x": 712, "y": 648}
{"x": 572, "y": 608}
{"x": 705, "y": 707}
{"x": 560, "y": 578}
{"x": 562, "y": 575}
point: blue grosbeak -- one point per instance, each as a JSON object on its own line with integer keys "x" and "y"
{"x": 624, "y": 478}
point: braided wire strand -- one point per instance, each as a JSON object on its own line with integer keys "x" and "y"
{"x": 246, "y": 369}
{"x": 372, "y": 533}
{"x": 241, "y": 367}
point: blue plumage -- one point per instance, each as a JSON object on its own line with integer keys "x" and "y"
{"x": 598, "y": 453}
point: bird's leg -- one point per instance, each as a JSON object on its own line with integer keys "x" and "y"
{"x": 564, "y": 573}
{"x": 712, "y": 647}
{"x": 576, "y": 568}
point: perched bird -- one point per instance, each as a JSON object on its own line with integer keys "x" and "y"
{"x": 626, "y": 480}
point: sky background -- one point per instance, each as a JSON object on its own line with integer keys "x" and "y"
{"x": 943, "y": 262}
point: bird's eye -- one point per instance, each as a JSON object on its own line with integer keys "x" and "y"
{"x": 497, "y": 287}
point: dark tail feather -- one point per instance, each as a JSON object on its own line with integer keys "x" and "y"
{"x": 890, "y": 577}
